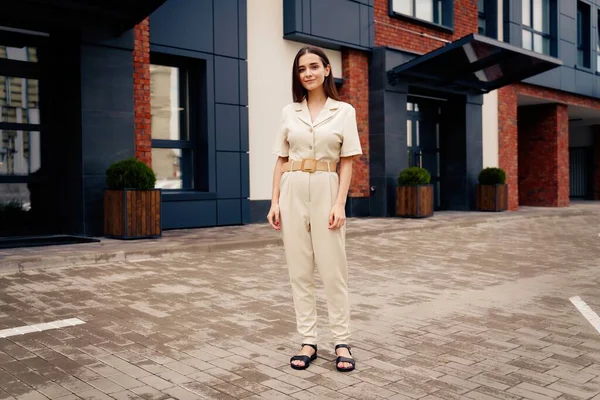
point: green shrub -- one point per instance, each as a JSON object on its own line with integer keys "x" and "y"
{"x": 492, "y": 176}
{"x": 414, "y": 176}
{"x": 130, "y": 174}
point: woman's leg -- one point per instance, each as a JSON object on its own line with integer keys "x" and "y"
{"x": 295, "y": 227}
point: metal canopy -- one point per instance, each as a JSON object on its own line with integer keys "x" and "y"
{"x": 121, "y": 15}
{"x": 474, "y": 64}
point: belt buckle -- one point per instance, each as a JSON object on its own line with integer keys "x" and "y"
{"x": 307, "y": 169}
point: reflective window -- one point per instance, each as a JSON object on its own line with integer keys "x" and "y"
{"x": 173, "y": 88}
{"x": 536, "y": 34}
{"x": 25, "y": 53}
{"x": 583, "y": 34}
{"x": 426, "y": 10}
{"x": 19, "y": 152}
{"x": 19, "y": 100}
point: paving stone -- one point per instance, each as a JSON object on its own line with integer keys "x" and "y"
{"x": 431, "y": 320}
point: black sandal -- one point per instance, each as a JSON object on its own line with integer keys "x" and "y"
{"x": 341, "y": 359}
{"x": 305, "y": 359}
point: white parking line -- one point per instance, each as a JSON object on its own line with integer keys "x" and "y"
{"x": 587, "y": 312}
{"x": 22, "y": 330}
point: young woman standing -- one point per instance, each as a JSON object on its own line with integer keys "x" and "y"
{"x": 318, "y": 134}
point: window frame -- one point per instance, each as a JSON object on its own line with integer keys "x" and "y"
{"x": 587, "y": 35}
{"x": 550, "y": 35}
{"x": 189, "y": 121}
{"x": 447, "y": 17}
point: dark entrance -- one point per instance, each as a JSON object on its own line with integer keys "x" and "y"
{"x": 21, "y": 131}
{"x": 580, "y": 167}
{"x": 423, "y": 139}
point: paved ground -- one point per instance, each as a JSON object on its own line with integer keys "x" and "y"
{"x": 473, "y": 312}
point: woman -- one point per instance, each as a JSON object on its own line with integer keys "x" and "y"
{"x": 318, "y": 131}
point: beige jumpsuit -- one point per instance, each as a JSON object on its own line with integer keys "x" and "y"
{"x": 305, "y": 201}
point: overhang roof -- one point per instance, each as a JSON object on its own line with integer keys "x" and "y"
{"x": 473, "y": 64}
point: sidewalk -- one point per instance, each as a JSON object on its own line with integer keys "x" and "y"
{"x": 205, "y": 240}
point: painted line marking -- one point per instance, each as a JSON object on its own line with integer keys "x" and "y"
{"x": 22, "y": 330}
{"x": 587, "y": 312}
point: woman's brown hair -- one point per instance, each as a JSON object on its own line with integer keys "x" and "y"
{"x": 298, "y": 91}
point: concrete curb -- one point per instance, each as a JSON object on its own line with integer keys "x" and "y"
{"x": 25, "y": 263}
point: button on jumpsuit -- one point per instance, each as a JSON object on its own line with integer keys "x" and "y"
{"x": 305, "y": 201}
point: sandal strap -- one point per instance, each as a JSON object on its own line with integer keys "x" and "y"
{"x": 314, "y": 346}
{"x": 344, "y": 359}
{"x": 304, "y": 358}
{"x": 344, "y": 346}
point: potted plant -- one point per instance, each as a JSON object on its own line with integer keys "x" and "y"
{"x": 414, "y": 193}
{"x": 132, "y": 206}
{"x": 492, "y": 190}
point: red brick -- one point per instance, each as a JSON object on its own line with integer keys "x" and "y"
{"x": 508, "y": 139}
{"x": 141, "y": 95}
{"x": 355, "y": 90}
{"x": 543, "y": 142}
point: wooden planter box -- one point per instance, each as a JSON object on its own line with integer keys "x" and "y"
{"x": 492, "y": 197}
{"x": 414, "y": 201}
{"x": 132, "y": 213}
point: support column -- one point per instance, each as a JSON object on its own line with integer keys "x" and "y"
{"x": 543, "y": 132}
{"x": 141, "y": 78}
{"x": 508, "y": 156}
{"x": 355, "y": 90}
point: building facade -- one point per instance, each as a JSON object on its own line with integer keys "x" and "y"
{"x": 195, "y": 89}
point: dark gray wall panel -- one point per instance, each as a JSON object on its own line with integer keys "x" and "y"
{"x": 226, "y": 26}
{"x": 330, "y": 23}
{"x": 227, "y": 120}
{"x": 243, "y": 83}
{"x": 106, "y": 79}
{"x": 568, "y": 8}
{"x": 227, "y": 86}
{"x": 185, "y": 214}
{"x": 247, "y": 212}
{"x": 568, "y": 53}
{"x": 244, "y": 134}
{"x": 324, "y": 23}
{"x": 258, "y": 210}
{"x": 584, "y": 83}
{"x": 229, "y": 212}
{"x": 228, "y": 175}
{"x": 184, "y": 24}
{"x": 93, "y": 200}
{"x": 125, "y": 41}
{"x": 245, "y": 174}
{"x": 567, "y": 79}
{"x": 365, "y": 29}
{"x": 242, "y": 29}
{"x": 106, "y": 137}
{"x": 107, "y": 122}
{"x": 568, "y": 29}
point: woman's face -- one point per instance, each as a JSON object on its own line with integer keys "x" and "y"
{"x": 311, "y": 71}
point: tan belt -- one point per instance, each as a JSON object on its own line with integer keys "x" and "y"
{"x": 309, "y": 165}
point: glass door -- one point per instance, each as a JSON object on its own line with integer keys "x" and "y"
{"x": 423, "y": 140}
{"x": 20, "y": 132}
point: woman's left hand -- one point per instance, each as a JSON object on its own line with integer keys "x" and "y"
{"x": 337, "y": 216}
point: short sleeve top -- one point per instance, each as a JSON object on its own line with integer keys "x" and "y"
{"x": 332, "y": 135}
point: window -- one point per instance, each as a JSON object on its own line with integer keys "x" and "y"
{"x": 438, "y": 12}
{"x": 173, "y": 102}
{"x": 536, "y": 25}
{"x": 482, "y": 18}
{"x": 583, "y": 34}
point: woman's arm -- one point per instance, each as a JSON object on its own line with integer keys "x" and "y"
{"x": 337, "y": 216}
{"x": 273, "y": 215}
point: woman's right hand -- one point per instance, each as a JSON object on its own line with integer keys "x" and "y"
{"x": 273, "y": 217}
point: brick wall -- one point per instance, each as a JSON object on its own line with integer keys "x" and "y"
{"x": 508, "y": 153}
{"x": 141, "y": 88}
{"x": 355, "y": 90}
{"x": 389, "y": 31}
{"x": 543, "y": 151}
